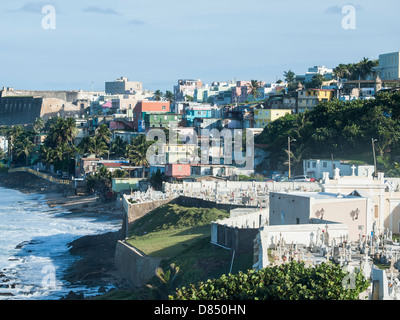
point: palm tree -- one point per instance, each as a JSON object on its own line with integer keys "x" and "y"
{"x": 103, "y": 133}
{"x": 38, "y": 125}
{"x": 341, "y": 71}
{"x": 98, "y": 147}
{"x": 290, "y": 76}
{"x": 137, "y": 152}
{"x": 84, "y": 145}
{"x": 13, "y": 135}
{"x": 169, "y": 96}
{"x": 253, "y": 89}
{"x": 25, "y": 147}
{"x": 118, "y": 146}
{"x": 46, "y": 155}
{"x": 365, "y": 67}
{"x": 70, "y": 130}
{"x": 158, "y": 95}
{"x": 166, "y": 282}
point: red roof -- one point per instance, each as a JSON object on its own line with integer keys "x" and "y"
{"x": 112, "y": 165}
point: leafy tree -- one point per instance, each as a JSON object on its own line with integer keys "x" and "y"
{"x": 103, "y": 134}
{"x": 158, "y": 95}
{"x": 290, "y": 76}
{"x": 169, "y": 96}
{"x": 13, "y": 135}
{"x": 38, "y": 125}
{"x": 316, "y": 82}
{"x": 253, "y": 88}
{"x": 290, "y": 281}
{"x": 59, "y": 149}
{"x": 341, "y": 71}
{"x": 340, "y": 128}
{"x": 137, "y": 152}
{"x": 85, "y": 144}
{"x": 98, "y": 146}
{"x": 24, "y": 147}
{"x": 157, "y": 179}
{"x": 166, "y": 282}
{"x": 118, "y": 146}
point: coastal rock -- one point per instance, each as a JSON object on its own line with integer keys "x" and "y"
{"x": 102, "y": 289}
{"x": 73, "y": 296}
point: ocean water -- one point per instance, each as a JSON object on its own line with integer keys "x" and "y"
{"x": 34, "y": 246}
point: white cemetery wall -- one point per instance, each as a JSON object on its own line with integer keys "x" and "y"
{"x": 300, "y": 233}
{"x": 253, "y": 220}
{"x": 392, "y": 212}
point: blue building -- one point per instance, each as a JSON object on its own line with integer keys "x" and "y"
{"x": 192, "y": 113}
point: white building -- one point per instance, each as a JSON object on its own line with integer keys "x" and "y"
{"x": 186, "y": 87}
{"x": 322, "y": 70}
{"x": 314, "y": 168}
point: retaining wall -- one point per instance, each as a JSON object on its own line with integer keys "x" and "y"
{"x": 133, "y": 265}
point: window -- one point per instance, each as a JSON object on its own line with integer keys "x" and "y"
{"x": 376, "y": 215}
{"x": 297, "y": 221}
{"x": 314, "y": 164}
{"x": 163, "y": 107}
{"x": 324, "y": 164}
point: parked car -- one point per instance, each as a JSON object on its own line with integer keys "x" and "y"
{"x": 301, "y": 178}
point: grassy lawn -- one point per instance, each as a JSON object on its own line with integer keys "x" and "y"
{"x": 182, "y": 236}
{"x": 170, "y": 229}
{"x": 170, "y": 242}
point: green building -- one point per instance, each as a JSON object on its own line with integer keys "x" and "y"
{"x": 161, "y": 120}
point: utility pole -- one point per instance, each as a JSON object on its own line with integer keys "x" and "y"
{"x": 373, "y": 151}
{"x": 289, "y": 140}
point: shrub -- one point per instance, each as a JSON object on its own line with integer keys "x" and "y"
{"x": 292, "y": 281}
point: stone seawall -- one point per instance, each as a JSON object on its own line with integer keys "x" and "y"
{"x": 137, "y": 268}
{"x": 133, "y": 265}
{"x": 134, "y": 211}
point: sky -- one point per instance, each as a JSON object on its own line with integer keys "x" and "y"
{"x": 158, "y": 42}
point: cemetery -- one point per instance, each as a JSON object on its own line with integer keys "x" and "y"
{"x": 348, "y": 221}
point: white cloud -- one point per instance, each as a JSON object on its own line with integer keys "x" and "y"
{"x": 100, "y": 10}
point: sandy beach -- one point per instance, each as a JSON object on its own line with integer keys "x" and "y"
{"x": 95, "y": 266}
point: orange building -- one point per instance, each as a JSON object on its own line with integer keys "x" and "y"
{"x": 143, "y": 107}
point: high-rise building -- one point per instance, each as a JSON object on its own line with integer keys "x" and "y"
{"x": 123, "y": 86}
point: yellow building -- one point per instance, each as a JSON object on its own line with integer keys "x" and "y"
{"x": 262, "y": 117}
{"x": 309, "y": 98}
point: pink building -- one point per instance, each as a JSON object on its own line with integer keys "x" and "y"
{"x": 177, "y": 171}
{"x": 241, "y": 92}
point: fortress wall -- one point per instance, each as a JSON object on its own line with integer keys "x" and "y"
{"x": 19, "y": 110}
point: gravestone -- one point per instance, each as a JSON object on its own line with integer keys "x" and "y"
{"x": 336, "y": 254}
{"x": 379, "y": 276}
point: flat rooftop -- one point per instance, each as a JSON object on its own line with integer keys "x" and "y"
{"x": 317, "y": 195}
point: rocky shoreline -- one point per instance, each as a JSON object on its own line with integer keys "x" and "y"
{"x": 95, "y": 266}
